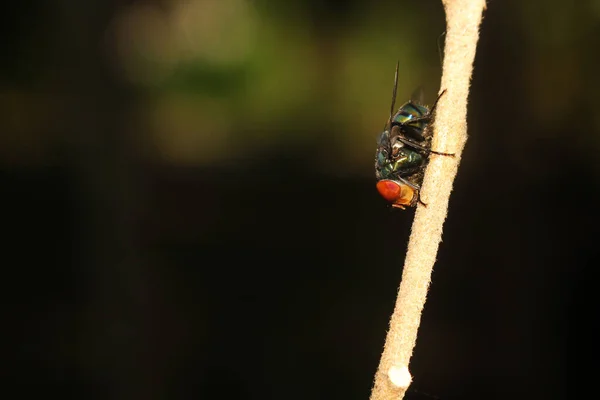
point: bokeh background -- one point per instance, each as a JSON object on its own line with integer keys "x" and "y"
{"x": 189, "y": 206}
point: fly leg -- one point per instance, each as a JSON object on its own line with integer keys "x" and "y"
{"x": 417, "y": 146}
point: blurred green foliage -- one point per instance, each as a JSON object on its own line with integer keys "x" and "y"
{"x": 207, "y": 72}
{"x": 303, "y": 74}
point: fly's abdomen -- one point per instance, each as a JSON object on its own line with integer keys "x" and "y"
{"x": 406, "y": 115}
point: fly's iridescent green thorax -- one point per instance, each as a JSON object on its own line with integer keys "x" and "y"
{"x": 392, "y": 162}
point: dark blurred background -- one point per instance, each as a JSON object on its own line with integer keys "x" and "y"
{"x": 190, "y": 208}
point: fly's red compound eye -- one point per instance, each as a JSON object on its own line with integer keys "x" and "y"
{"x": 389, "y": 190}
{"x": 399, "y": 194}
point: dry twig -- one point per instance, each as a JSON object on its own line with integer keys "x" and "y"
{"x": 463, "y": 18}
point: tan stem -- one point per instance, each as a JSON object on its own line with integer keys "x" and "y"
{"x": 463, "y": 18}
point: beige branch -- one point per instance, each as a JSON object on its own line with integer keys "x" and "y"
{"x": 463, "y": 18}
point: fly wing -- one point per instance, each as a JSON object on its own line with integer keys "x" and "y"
{"x": 394, "y": 90}
{"x": 418, "y": 96}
